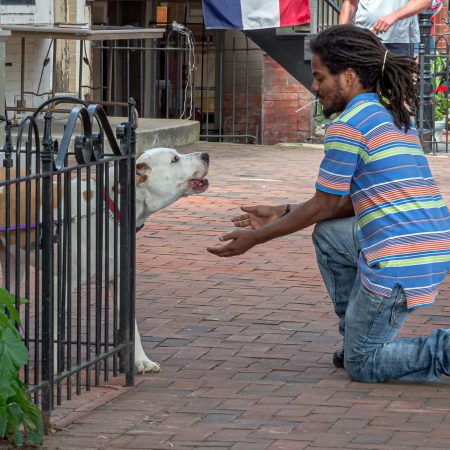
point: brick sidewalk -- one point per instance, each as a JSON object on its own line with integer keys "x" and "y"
{"x": 245, "y": 344}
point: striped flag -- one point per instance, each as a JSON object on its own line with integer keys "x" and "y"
{"x": 255, "y": 14}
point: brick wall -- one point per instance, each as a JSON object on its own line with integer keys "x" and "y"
{"x": 282, "y": 96}
{"x": 440, "y": 26}
{"x": 269, "y": 103}
{"x": 242, "y": 86}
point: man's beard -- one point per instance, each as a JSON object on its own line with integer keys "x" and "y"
{"x": 338, "y": 103}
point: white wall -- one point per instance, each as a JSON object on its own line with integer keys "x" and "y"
{"x": 36, "y": 49}
{"x": 41, "y": 12}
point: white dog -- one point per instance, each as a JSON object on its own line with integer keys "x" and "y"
{"x": 162, "y": 177}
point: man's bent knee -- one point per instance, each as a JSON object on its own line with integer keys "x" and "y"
{"x": 359, "y": 370}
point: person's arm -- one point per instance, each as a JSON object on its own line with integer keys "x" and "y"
{"x": 257, "y": 216}
{"x": 348, "y": 11}
{"x": 412, "y": 8}
{"x": 320, "y": 207}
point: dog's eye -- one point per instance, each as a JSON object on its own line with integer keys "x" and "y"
{"x": 175, "y": 159}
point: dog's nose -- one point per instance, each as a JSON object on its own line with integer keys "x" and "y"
{"x": 205, "y": 157}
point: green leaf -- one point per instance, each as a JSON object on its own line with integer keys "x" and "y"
{"x": 13, "y": 351}
{"x": 5, "y": 297}
{"x": 6, "y": 391}
{"x": 15, "y": 410}
{"x": 3, "y": 422}
{"x": 18, "y": 438}
{"x": 35, "y": 438}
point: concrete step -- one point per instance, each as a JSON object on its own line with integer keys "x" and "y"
{"x": 151, "y": 133}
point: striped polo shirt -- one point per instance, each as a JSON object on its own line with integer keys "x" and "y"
{"x": 403, "y": 221}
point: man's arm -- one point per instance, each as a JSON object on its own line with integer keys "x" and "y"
{"x": 348, "y": 11}
{"x": 320, "y": 207}
{"x": 412, "y": 8}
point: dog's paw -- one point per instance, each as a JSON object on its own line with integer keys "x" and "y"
{"x": 142, "y": 365}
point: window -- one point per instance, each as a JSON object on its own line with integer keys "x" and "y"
{"x": 17, "y": 2}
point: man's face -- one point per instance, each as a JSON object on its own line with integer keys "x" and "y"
{"x": 330, "y": 89}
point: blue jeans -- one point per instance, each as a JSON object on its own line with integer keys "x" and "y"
{"x": 369, "y": 322}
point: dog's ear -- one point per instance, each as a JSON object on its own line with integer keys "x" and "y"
{"x": 142, "y": 173}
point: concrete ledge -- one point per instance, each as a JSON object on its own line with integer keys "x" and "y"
{"x": 153, "y": 133}
{"x": 150, "y": 132}
{"x": 166, "y": 133}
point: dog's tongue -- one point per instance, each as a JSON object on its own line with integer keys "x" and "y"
{"x": 198, "y": 184}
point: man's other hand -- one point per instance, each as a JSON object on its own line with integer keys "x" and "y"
{"x": 241, "y": 241}
{"x": 257, "y": 216}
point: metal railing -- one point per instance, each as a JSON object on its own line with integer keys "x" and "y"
{"x": 166, "y": 93}
{"x": 63, "y": 248}
{"x": 433, "y": 85}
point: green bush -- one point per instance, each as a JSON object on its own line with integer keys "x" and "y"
{"x": 19, "y": 416}
{"x": 439, "y": 66}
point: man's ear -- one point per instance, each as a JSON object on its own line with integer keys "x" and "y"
{"x": 350, "y": 76}
{"x": 142, "y": 173}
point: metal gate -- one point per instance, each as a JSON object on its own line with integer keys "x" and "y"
{"x": 67, "y": 245}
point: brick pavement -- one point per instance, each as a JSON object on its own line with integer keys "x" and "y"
{"x": 245, "y": 344}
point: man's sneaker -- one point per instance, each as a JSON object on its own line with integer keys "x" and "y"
{"x": 338, "y": 358}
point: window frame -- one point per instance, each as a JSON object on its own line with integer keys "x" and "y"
{"x": 17, "y": 2}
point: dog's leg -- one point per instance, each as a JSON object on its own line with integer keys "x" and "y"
{"x": 142, "y": 363}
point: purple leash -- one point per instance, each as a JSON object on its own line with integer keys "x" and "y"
{"x": 21, "y": 227}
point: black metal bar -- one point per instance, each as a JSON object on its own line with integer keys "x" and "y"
{"x": 7, "y": 164}
{"x": 88, "y": 276}
{"x": 99, "y": 200}
{"x": 131, "y": 144}
{"x": 116, "y": 294}
{"x": 68, "y": 373}
{"x": 59, "y": 300}
{"x": 425, "y": 120}
{"x": 68, "y": 259}
{"x": 47, "y": 273}
{"x": 79, "y": 265}
{"x": 107, "y": 290}
{"x": 125, "y": 251}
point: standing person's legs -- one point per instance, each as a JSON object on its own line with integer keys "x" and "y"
{"x": 337, "y": 246}
{"x": 400, "y": 49}
{"x": 372, "y": 354}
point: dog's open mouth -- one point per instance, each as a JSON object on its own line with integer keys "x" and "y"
{"x": 199, "y": 185}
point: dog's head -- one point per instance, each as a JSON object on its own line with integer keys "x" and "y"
{"x": 163, "y": 176}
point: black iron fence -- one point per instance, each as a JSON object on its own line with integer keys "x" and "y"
{"x": 67, "y": 245}
{"x": 433, "y": 87}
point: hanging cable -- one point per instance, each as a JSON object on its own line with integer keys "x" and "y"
{"x": 189, "y": 37}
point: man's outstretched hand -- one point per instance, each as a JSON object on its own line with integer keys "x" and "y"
{"x": 257, "y": 216}
{"x": 241, "y": 241}
{"x": 254, "y": 217}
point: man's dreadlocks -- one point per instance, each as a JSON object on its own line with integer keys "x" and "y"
{"x": 391, "y": 76}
